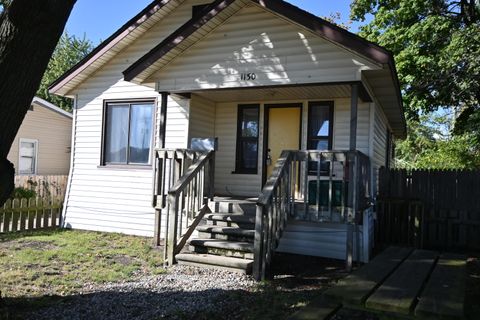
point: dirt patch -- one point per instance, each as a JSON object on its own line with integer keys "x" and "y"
{"x": 28, "y": 244}
{"x": 123, "y": 260}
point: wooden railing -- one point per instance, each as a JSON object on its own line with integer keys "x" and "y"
{"x": 185, "y": 178}
{"x": 294, "y": 191}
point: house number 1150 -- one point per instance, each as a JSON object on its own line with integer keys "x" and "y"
{"x": 248, "y": 76}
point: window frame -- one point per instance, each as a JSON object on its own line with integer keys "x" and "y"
{"x": 35, "y": 142}
{"x": 129, "y": 102}
{"x": 311, "y": 105}
{"x": 239, "y": 168}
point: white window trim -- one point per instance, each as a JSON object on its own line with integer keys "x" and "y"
{"x": 35, "y": 142}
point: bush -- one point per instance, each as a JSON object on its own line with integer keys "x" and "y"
{"x": 23, "y": 193}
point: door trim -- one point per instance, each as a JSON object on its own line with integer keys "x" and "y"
{"x": 266, "y": 116}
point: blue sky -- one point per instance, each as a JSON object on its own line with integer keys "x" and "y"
{"x": 98, "y": 19}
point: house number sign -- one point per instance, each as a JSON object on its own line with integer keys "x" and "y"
{"x": 248, "y": 76}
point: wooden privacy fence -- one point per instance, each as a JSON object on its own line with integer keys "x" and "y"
{"x": 46, "y": 187}
{"x": 429, "y": 208}
{"x": 29, "y": 214}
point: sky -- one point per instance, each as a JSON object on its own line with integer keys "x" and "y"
{"x": 98, "y": 19}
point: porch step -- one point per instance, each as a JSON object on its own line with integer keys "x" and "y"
{"x": 214, "y": 261}
{"x": 234, "y": 249}
{"x": 232, "y": 205}
{"x": 236, "y": 220}
{"x": 226, "y": 233}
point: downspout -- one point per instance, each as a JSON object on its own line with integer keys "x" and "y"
{"x": 72, "y": 156}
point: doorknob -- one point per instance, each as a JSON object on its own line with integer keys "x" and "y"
{"x": 269, "y": 157}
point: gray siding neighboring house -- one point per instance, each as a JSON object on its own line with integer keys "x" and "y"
{"x": 42, "y": 144}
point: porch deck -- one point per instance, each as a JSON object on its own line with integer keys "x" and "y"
{"x": 402, "y": 283}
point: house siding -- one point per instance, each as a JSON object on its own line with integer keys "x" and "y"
{"x": 257, "y": 41}
{"x": 53, "y": 132}
{"x": 379, "y": 156}
{"x": 109, "y": 199}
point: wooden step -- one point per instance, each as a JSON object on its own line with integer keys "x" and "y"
{"x": 214, "y": 261}
{"x": 399, "y": 293}
{"x": 225, "y": 233}
{"x": 232, "y": 205}
{"x": 357, "y": 287}
{"x": 223, "y": 248}
{"x": 443, "y": 297}
{"x": 236, "y": 220}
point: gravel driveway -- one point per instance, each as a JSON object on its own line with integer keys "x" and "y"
{"x": 182, "y": 293}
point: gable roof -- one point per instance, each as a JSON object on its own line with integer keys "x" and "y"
{"x": 118, "y": 40}
{"x": 44, "y": 103}
{"x": 139, "y": 70}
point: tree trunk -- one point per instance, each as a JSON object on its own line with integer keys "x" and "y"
{"x": 29, "y": 32}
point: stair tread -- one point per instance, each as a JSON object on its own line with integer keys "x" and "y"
{"x": 223, "y": 244}
{"x": 230, "y": 217}
{"x": 214, "y": 260}
{"x": 227, "y": 230}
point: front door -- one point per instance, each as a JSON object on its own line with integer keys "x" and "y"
{"x": 283, "y": 123}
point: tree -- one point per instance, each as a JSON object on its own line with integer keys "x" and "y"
{"x": 29, "y": 32}
{"x": 430, "y": 145}
{"x": 436, "y": 44}
{"x": 69, "y": 51}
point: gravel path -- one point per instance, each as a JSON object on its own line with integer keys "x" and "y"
{"x": 183, "y": 293}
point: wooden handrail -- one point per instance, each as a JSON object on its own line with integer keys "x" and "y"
{"x": 180, "y": 185}
{"x": 290, "y": 177}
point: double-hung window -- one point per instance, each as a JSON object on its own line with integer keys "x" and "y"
{"x": 320, "y": 131}
{"x": 247, "y": 139}
{"x": 128, "y": 133}
{"x": 28, "y": 151}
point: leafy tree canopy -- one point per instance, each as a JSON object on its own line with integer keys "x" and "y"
{"x": 436, "y": 44}
{"x": 69, "y": 51}
{"x": 430, "y": 145}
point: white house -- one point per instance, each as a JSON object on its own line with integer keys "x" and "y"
{"x": 262, "y": 76}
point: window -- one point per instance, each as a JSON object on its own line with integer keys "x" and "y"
{"x": 28, "y": 153}
{"x": 320, "y": 131}
{"x": 128, "y": 133}
{"x": 247, "y": 139}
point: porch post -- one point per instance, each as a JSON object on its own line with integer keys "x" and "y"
{"x": 159, "y": 175}
{"x": 352, "y": 185}
{"x": 163, "y": 118}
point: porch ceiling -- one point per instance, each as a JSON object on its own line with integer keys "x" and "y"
{"x": 279, "y": 93}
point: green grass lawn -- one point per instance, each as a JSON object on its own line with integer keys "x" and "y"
{"x": 60, "y": 262}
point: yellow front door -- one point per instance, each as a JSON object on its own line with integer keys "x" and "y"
{"x": 283, "y": 132}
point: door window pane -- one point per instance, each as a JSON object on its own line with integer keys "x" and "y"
{"x": 116, "y": 139}
{"x": 250, "y": 155}
{"x": 319, "y": 121}
{"x": 140, "y": 133}
{"x": 250, "y": 123}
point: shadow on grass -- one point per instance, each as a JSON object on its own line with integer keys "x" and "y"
{"x": 297, "y": 281}
{"x": 33, "y": 233}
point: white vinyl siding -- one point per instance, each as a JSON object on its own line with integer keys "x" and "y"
{"x": 257, "y": 41}
{"x": 202, "y": 118}
{"x": 379, "y": 145}
{"x": 109, "y": 199}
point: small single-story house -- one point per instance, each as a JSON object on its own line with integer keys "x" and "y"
{"x": 42, "y": 144}
{"x": 260, "y": 76}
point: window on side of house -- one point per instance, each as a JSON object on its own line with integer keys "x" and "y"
{"x": 128, "y": 133}
{"x": 248, "y": 127}
{"x": 28, "y": 154}
{"x": 320, "y": 131}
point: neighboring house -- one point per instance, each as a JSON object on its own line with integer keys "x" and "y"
{"x": 42, "y": 144}
{"x": 261, "y": 76}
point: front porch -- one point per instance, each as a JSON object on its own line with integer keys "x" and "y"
{"x": 244, "y": 234}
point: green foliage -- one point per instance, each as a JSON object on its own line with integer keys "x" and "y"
{"x": 22, "y": 193}
{"x": 70, "y": 50}
{"x": 429, "y": 146}
{"x": 436, "y": 44}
